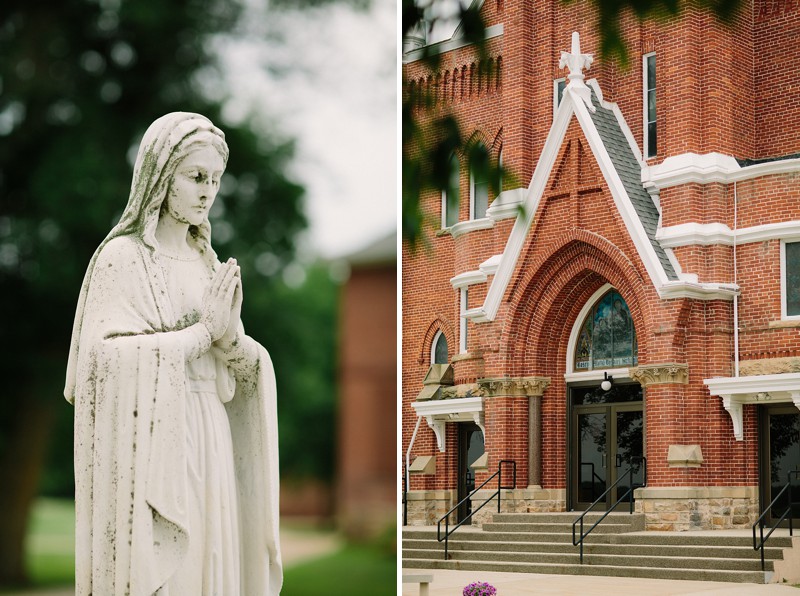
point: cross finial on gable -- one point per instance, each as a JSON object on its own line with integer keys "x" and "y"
{"x": 577, "y": 62}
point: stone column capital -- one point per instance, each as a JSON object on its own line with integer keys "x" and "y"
{"x": 660, "y": 374}
{"x": 514, "y": 386}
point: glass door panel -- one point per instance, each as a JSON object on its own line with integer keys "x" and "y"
{"x": 592, "y": 455}
{"x": 470, "y": 448}
{"x": 629, "y": 432}
{"x": 784, "y": 456}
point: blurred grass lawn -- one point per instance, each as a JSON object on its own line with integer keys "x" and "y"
{"x": 351, "y": 571}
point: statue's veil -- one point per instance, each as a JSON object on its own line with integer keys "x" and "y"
{"x": 165, "y": 143}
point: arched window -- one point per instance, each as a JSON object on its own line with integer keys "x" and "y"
{"x": 479, "y": 182}
{"x": 607, "y": 338}
{"x": 450, "y": 196}
{"x": 439, "y": 352}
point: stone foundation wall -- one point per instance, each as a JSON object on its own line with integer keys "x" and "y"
{"x": 698, "y": 508}
{"x": 426, "y": 507}
{"x": 521, "y": 500}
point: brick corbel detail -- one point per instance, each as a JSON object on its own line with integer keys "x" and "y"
{"x": 660, "y": 374}
{"x": 514, "y": 386}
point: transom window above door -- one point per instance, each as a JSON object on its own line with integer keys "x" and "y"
{"x": 607, "y": 338}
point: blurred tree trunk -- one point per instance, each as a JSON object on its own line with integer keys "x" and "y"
{"x": 21, "y": 464}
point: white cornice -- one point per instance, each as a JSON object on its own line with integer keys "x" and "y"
{"x": 756, "y": 389}
{"x": 697, "y": 291}
{"x": 718, "y": 233}
{"x": 470, "y": 225}
{"x": 710, "y": 167}
{"x": 468, "y": 278}
{"x": 447, "y": 407}
{"x": 507, "y": 204}
{"x": 447, "y": 45}
{"x": 490, "y": 265}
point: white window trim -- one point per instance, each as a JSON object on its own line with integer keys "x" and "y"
{"x": 784, "y": 316}
{"x": 645, "y": 138}
{"x": 462, "y": 330}
{"x": 555, "y": 93}
{"x": 444, "y": 209}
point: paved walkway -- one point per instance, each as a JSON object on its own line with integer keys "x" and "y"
{"x": 297, "y": 546}
{"x": 451, "y": 583}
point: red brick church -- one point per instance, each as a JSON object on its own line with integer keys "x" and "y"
{"x": 651, "y": 241}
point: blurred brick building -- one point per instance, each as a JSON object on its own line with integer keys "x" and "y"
{"x": 652, "y": 239}
{"x": 366, "y": 497}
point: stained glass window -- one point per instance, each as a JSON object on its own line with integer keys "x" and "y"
{"x": 440, "y": 355}
{"x": 607, "y": 338}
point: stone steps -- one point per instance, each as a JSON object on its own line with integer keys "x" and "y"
{"x": 542, "y": 543}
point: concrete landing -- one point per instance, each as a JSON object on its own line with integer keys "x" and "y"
{"x": 451, "y": 583}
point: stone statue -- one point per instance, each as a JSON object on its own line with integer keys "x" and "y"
{"x": 176, "y": 458}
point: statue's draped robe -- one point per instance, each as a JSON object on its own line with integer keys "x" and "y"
{"x": 128, "y": 383}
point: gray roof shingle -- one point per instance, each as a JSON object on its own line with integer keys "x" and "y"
{"x": 630, "y": 173}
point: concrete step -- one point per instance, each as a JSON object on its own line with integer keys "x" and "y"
{"x": 615, "y": 517}
{"x": 726, "y": 575}
{"x": 554, "y": 528}
{"x": 651, "y": 550}
{"x": 592, "y": 559}
{"x": 687, "y": 539}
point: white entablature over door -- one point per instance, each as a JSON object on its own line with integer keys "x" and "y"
{"x": 757, "y": 389}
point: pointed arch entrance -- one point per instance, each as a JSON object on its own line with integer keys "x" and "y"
{"x": 605, "y": 422}
{"x": 559, "y": 286}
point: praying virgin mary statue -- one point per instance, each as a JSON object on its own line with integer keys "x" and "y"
{"x": 176, "y": 458}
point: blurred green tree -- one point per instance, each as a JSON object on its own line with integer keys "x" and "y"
{"x": 80, "y": 80}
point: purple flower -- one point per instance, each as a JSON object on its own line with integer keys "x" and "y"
{"x": 479, "y": 589}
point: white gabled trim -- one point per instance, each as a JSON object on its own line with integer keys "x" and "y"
{"x": 718, "y": 233}
{"x": 710, "y": 167}
{"x": 629, "y": 216}
{"x": 623, "y": 125}
{"x": 468, "y": 278}
{"x": 470, "y": 225}
{"x": 533, "y": 195}
{"x": 449, "y": 44}
{"x": 490, "y": 265}
{"x": 506, "y": 204}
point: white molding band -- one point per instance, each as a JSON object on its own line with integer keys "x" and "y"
{"x": 507, "y": 204}
{"x": 689, "y": 168}
{"x": 468, "y": 278}
{"x": 470, "y": 225}
{"x": 449, "y": 44}
{"x": 756, "y": 389}
{"x": 690, "y": 234}
{"x": 490, "y": 265}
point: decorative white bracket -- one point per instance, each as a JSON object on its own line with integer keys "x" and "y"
{"x": 437, "y": 426}
{"x": 577, "y": 62}
{"x": 734, "y": 408}
{"x": 754, "y": 389}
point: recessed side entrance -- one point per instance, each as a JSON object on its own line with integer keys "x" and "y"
{"x": 606, "y": 438}
{"x": 470, "y": 448}
{"x": 780, "y": 454}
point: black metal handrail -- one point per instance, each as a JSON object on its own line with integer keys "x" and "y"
{"x": 760, "y": 520}
{"x": 629, "y": 492}
{"x": 446, "y": 517}
{"x": 405, "y": 500}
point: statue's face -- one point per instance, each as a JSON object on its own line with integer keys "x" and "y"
{"x": 194, "y": 186}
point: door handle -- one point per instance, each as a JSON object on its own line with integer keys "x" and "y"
{"x": 619, "y": 461}
{"x": 604, "y": 459}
